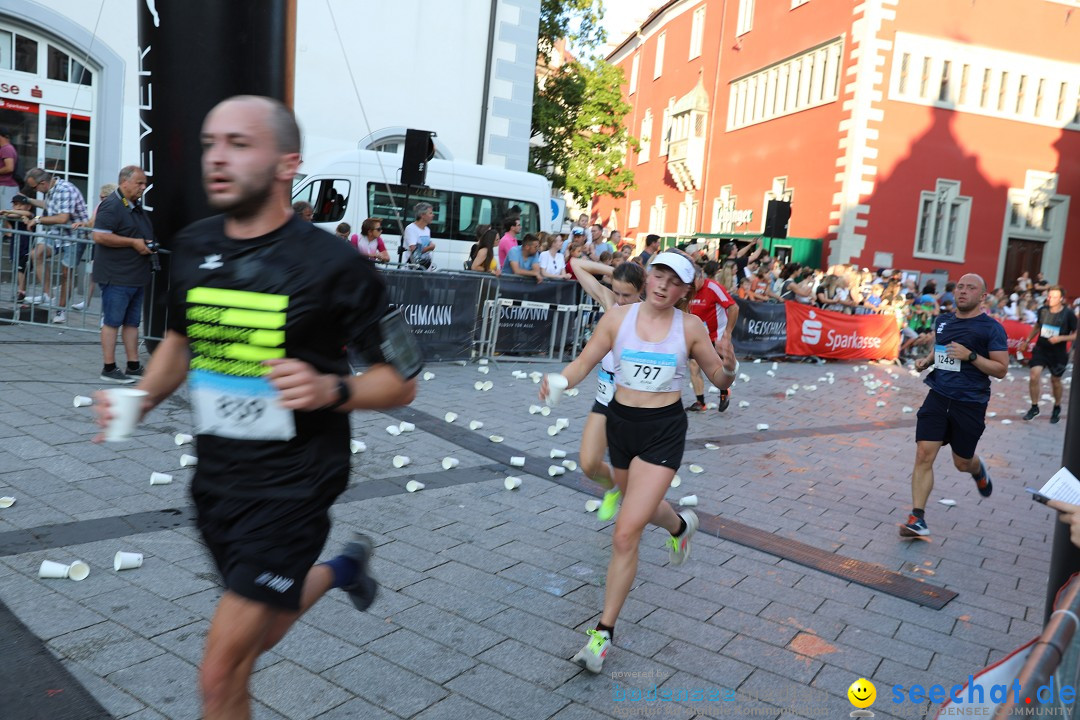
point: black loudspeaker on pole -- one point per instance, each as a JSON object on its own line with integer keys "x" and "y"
{"x": 1065, "y": 557}
{"x": 777, "y": 215}
{"x": 192, "y": 55}
{"x": 419, "y": 149}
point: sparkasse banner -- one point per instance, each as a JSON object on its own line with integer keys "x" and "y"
{"x": 828, "y": 334}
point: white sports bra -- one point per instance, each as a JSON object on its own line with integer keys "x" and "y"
{"x": 650, "y": 366}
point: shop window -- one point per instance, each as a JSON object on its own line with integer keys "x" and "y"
{"x": 941, "y": 233}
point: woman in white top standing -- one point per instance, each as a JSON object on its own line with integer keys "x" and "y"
{"x": 552, "y": 262}
{"x": 646, "y": 425}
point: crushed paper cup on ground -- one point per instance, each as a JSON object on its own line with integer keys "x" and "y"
{"x": 188, "y": 461}
{"x": 556, "y": 470}
{"x": 401, "y": 461}
{"x": 475, "y": 424}
{"x": 744, "y": 403}
{"x": 495, "y": 438}
{"x": 429, "y": 376}
{"x": 125, "y": 404}
{"x": 6, "y": 502}
{"x": 357, "y": 446}
{"x": 947, "y": 502}
{"x": 478, "y": 385}
{"x": 157, "y": 478}
{"x": 449, "y": 463}
{"x": 712, "y": 446}
{"x": 569, "y": 465}
{"x": 696, "y": 469}
{"x": 406, "y": 426}
{"x": 676, "y": 481}
{"x": 511, "y": 482}
{"x": 82, "y": 401}
{"x": 744, "y": 377}
{"x": 534, "y": 409}
{"x": 414, "y": 485}
{"x": 991, "y": 414}
{"x": 394, "y": 430}
{"x": 517, "y": 461}
{"x": 182, "y": 439}
{"x": 770, "y": 373}
{"x": 907, "y": 409}
{"x": 487, "y": 385}
{"x": 450, "y": 417}
{"x": 688, "y": 501}
{"x": 483, "y": 370}
{"x": 592, "y": 505}
{"x": 763, "y": 426}
{"x": 880, "y": 403}
{"x": 127, "y": 560}
{"x": 1006, "y": 421}
{"x": 545, "y": 411}
{"x": 556, "y": 453}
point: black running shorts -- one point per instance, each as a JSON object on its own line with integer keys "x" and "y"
{"x": 264, "y": 547}
{"x": 599, "y": 408}
{"x": 1054, "y": 364}
{"x": 656, "y": 435}
{"x": 951, "y": 422}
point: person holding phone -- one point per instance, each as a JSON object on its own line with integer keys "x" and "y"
{"x": 970, "y": 347}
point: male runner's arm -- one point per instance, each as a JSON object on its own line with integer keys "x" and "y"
{"x": 302, "y": 387}
{"x": 996, "y": 365}
{"x": 732, "y": 312}
{"x": 718, "y": 363}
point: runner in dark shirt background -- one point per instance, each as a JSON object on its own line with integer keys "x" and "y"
{"x": 1053, "y": 332}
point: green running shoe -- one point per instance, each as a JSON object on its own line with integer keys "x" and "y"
{"x": 591, "y": 657}
{"x": 679, "y": 547}
{"x": 609, "y": 506}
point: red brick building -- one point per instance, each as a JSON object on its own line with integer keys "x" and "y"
{"x": 927, "y": 135}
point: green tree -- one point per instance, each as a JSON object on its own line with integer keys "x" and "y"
{"x": 578, "y": 21}
{"x": 579, "y": 115}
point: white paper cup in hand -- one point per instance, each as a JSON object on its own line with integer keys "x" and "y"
{"x": 188, "y": 461}
{"x": 414, "y": 485}
{"x": 517, "y": 461}
{"x": 512, "y": 483}
{"x": 78, "y": 570}
{"x": 556, "y": 383}
{"x": 449, "y": 463}
{"x": 688, "y": 501}
{"x": 556, "y": 454}
{"x": 50, "y": 569}
{"x": 127, "y": 560}
{"x": 182, "y": 439}
{"x": 82, "y": 401}
{"x": 401, "y": 461}
{"x": 157, "y": 478}
{"x": 125, "y": 406}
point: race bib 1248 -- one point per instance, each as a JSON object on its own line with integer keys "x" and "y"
{"x": 942, "y": 361}
{"x": 242, "y": 408}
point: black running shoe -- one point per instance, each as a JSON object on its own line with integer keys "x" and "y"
{"x": 985, "y": 487}
{"x": 725, "y": 400}
{"x": 1055, "y": 416}
{"x": 363, "y": 589}
{"x": 1032, "y": 413}
{"x": 696, "y": 407}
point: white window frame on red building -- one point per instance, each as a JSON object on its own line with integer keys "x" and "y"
{"x": 697, "y": 33}
{"x": 937, "y": 210}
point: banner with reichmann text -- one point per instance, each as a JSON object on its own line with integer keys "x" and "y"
{"x": 827, "y": 334}
{"x": 761, "y": 329}
{"x": 440, "y": 308}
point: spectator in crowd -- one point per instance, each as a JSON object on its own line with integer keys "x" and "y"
{"x": 524, "y": 259}
{"x": 125, "y": 239}
{"x": 304, "y": 210}
{"x": 652, "y": 246}
{"x": 342, "y": 231}
{"x": 15, "y": 218}
{"x": 482, "y": 256}
{"x": 1012, "y": 309}
{"x": 103, "y": 192}
{"x": 370, "y": 242}
{"x": 511, "y": 226}
{"x": 930, "y": 288}
{"x": 615, "y": 241}
{"x": 582, "y": 224}
{"x": 743, "y": 291}
{"x": 920, "y": 323}
{"x": 1041, "y": 285}
{"x": 947, "y": 297}
{"x": 64, "y": 205}
{"x": 1023, "y": 283}
{"x": 796, "y": 283}
{"x": 743, "y": 257}
{"x": 552, "y": 262}
{"x": 417, "y": 235}
{"x": 9, "y": 161}
{"x": 573, "y": 251}
{"x": 726, "y": 276}
{"x": 716, "y": 308}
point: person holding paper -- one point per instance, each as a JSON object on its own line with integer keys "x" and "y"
{"x": 1054, "y": 329}
{"x": 969, "y": 348}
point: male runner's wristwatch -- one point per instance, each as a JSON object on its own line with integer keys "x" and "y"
{"x": 972, "y": 356}
{"x": 344, "y": 393}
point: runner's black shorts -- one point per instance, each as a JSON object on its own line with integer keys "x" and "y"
{"x": 264, "y": 547}
{"x": 951, "y": 422}
{"x": 656, "y": 435}
{"x": 1053, "y": 362}
{"x": 599, "y": 408}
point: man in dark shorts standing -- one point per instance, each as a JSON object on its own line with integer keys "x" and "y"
{"x": 1054, "y": 330}
{"x": 262, "y": 304}
{"x": 969, "y": 348}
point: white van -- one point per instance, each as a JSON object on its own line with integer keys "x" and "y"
{"x": 350, "y": 187}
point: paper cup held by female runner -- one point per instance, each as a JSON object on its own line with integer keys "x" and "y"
{"x": 556, "y": 383}
{"x": 126, "y": 560}
{"x": 401, "y": 461}
{"x": 557, "y": 454}
{"x": 449, "y": 463}
{"x": 517, "y": 461}
{"x": 188, "y": 461}
{"x": 182, "y": 439}
{"x": 82, "y": 401}
{"x": 125, "y": 405}
{"x": 414, "y": 485}
{"x": 157, "y": 478}
{"x": 512, "y": 483}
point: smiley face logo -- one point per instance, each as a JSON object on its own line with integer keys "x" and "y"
{"x": 862, "y": 693}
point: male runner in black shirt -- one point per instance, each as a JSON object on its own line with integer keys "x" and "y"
{"x": 261, "y": 305}
{"x": 970, "y": 347}
{"x": 1055, "y": 329}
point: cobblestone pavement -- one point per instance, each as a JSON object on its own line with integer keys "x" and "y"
{"x": 486, "y": 592}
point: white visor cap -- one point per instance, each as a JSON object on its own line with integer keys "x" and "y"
{"x": 681, "y": 264}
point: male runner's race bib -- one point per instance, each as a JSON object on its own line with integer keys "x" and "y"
{"x": 942, "y": 361}
{"x": 242, "y": 408}
{"x": 605, "y": 386}
{"x": 1049, "y": 331}
{"x": 647, "y": 371}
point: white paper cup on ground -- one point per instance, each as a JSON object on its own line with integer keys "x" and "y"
{"x": 483, "y": 369}
{"x": 534, "y": 409}
{"x": 556, "y": 470}
{"x": 182, "y": 439}
{"x": 157, "y": 478}
{"x": 592, "y": 505}
{"x": 676, "y": 481}
{"x": 556, "y": 383}
{"x": 553, "y": 430}
{"x": 449, "y": 463}
{"x": 688, "y": 501}
{"x": 414, "y": 485}
{"x": 763, "y": 426}
{"x": 429, "y": 376}
{"x": 517, "y": 461}
{"x": 572, "y": 392}
{"x": 82, "y": 401}
{"x": 512, "y": 483}
{"x": 6, "y": 502}
{"x": 125, "y": 404}
{"x": 482, "y": 361}
{"x": 696, "y": 469}
{"x": 557, "y": 454}
{"x": 563, "y": 423}
{"x": 188, "y": 461}
{"x": 495, "y": 438}
{"x": 744, "y": 403}
{"x": 357, "y": 446}
{"x": 569, "y": 465}
{"x": 52, "y": 570}
{"x": 394, "y": 430}
{"x": 475, "y": 425}
{"x": 406, "y": 426}
{"x": 401, "y": 461}
{"x": 450, "y": 417}
{"x": 78, "y": 570}
{"x": 947, "y": 502}
{"x": 545, "y": 411}
{"x": 127, "y": 560}
{"x": 487, "y": 385}
{"x": 478, "y": 385}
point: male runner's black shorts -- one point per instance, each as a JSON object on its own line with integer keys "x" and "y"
{"x": 1055, "y": 365}
{"x": 264, "y": 547}
{"x": 656, "y": 435}
{"x": 951, "y": 422}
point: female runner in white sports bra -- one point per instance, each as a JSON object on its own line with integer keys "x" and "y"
{"x": 627, "y": 285}
{"x": 646, "y": 424}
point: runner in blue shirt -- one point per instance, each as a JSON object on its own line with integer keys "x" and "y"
{"x": 969, "y": 348}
